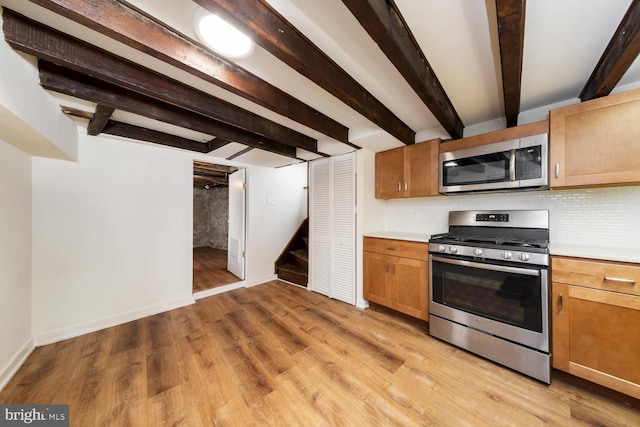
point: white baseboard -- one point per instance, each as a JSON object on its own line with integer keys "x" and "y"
{"x": 233, "y": 286}
{"x": 15, "y": 363}
{"x": 219, "y": 290}
{"x": 262, "y": 280}
{"x": 74, "y": 331}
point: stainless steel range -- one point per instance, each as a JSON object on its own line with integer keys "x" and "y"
{"x": 489, "y": 287}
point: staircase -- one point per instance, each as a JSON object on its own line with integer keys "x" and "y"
{"x": 293, "y": 263}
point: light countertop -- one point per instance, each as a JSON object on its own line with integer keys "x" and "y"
{"x": 398, "y": 235}
{"x": 596, "y": 252}
{"x": 560, "y": 249}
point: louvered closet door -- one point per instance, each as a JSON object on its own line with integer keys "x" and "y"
{"x": 320, "y": 226}
{"x": 343, "y": 228}
{"x": 333, "y": 225}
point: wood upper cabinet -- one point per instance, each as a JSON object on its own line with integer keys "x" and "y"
{"x": 396, "y": 275}
{"x": 596, "y": 321}
{"x": 410, "y": 171}
{"x": 596, "y": 143}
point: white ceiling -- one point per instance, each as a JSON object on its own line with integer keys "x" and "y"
{"x": 564, "y": 40}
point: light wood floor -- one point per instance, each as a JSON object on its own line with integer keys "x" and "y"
{"x": 280, "y": 355}
{"x": 210, "y": 269}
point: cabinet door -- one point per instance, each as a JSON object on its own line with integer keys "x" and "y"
{"x": 410, "y": 287}
{"x": 604, "y": 338}
{"x": 596, "y": 142}
{"x": 422, "y": 168}
{"x": 390, "y": 174}
{"x": 375, "y": 269}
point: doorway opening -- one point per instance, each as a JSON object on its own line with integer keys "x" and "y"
{"x": 218, "y": 227}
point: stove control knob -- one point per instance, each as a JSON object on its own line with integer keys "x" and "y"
{"x": 453, "y": 249}
{"x": 442, "y": 248}
{"x": 524, "y": 257}
{"x": 506, "y": 255}
{"x": 477, "y": 252}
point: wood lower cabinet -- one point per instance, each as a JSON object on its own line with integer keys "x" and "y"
{"x": 596, "y": 321}
{"x": 595, "y": 143}
{"x": 410, "y": 171}
{"x": 396, "y": 275}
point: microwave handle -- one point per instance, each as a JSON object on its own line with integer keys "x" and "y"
{"x": 512, "y": 165}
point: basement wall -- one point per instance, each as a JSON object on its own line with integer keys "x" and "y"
{"x": 15, "y": 260}
{"x": 211, "y": 217}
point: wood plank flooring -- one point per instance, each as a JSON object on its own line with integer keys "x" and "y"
{"x": 210, "y": 269}
{"x": 279, "y": 355}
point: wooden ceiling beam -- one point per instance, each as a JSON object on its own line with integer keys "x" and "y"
{"x": 279, "y": 37}
{"x": 622, "y": 50}
{"x": 28, "y": 36}
{"x": 113, "y": 127}
{"x": 143, "y": 134}
{"x": 511, "y": 17}
{"x": 99, "y": 120}
{"x": 72, "y": 83}
{"x": 210, "y": 167}
{"x": 133, "y": 27}
{"x": 384, "y": 23}
{"x": 239, "y": 153}
{"x": 201, "y": 181}
{"x": 218, "y": 142}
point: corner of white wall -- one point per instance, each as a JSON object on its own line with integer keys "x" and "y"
{"x": 112, "y": 236}
{"x": 369, "y": 211}
{"x": 15, "y": 260}
{"x": 32, "y": 119}
{"x": 270, "y": 224}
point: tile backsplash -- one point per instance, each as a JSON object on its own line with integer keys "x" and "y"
{"x": 604, "y": 217}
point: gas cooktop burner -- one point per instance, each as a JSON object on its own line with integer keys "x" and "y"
{"x": 505, "y": 236}
{"x": 489, "y": 240}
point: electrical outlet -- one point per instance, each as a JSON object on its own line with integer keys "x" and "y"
{"x": 415, "y": 216}
{"x": 271, "y": 201}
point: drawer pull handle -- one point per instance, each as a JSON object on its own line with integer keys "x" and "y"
{"x": 617, "y": 279}
{"x": 389, "y": 248}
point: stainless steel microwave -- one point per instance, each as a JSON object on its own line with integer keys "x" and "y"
{"x": 518, "y": 164}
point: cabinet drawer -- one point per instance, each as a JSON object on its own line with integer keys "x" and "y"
{"x": 399, "y": 248}
{"x": 606, "y": 275}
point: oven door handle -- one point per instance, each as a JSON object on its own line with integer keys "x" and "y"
{"x": 493, "y": 267}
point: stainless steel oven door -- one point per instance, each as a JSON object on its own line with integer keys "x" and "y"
{"x": 507, "y": 301}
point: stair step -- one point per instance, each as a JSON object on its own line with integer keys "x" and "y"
{"x": 291, "y": 273}
{"x": 299, "y": 258}
{"x": 300, "y": 253}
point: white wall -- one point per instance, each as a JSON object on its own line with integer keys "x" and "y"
{"x": 15, "y": 259}
{"x": 112, "y": 233}
{"x": 271, "y": 226}
{"x": 30, "y": 118}
{"x": 111, "y": 236}
{"x": 369, "y": 211}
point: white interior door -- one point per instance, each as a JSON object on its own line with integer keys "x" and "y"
{"x": 237, "y": 218}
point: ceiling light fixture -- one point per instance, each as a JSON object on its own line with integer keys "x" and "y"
{"x": 221, "y": 36}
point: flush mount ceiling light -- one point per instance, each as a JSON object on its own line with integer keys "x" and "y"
{"x": 221, "y": 36}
